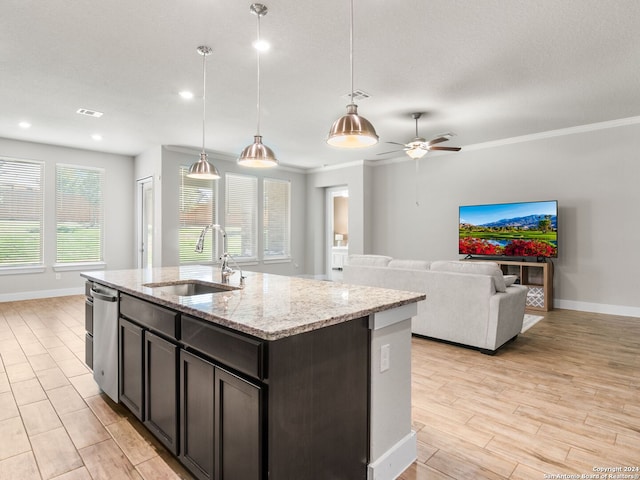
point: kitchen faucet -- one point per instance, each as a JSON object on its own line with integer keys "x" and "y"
{"x": 225, "y": 271}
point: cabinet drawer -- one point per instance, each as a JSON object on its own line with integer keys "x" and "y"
{"x": 236, "y": 351}
{"x": 149, "y": 315}
{"x": 88, "y": 315}
{"x": 88, "y": 350}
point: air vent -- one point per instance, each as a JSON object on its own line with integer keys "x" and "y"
{"x": 357, "y": 95}
{"x": 89, "y": 113}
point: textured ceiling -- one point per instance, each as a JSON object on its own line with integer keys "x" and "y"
{"x": 486, "y": 70}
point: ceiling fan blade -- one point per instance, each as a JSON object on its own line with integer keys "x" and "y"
{"x": 392, "y": 151}
{"x": 396, "y": 143}
{"x": 448, "y": 149}
{"x": 437, "y": 140}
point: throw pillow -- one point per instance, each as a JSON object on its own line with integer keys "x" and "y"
{"x": 369, "y": 260}
{"x": 480, "y": 268}
{"x": 410, "y": 264}
{"x": 510, "y": 280}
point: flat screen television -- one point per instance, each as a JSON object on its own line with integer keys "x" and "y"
{"x": 523, "y": 229}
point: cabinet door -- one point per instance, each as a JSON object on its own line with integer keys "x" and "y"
{"x": 160, "y": 392}
{"x": 131, "y": 371}
{"x": 238, "y": 428}
{"x": 196, "y": 415}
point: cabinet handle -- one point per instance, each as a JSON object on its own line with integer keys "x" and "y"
{"x": 102, "y": 296}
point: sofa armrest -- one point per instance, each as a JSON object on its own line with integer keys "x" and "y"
{"x": 506, "y": 315}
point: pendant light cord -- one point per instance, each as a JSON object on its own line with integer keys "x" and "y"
{"x": 258, "y": 77}
{"x": 351, "y": 51}
{"x": 204, "y": 94}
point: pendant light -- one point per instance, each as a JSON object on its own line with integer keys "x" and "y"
{"x": 258, "y": 155}
{"x": 203, "y": 169}
{"x": 352, "y": 130}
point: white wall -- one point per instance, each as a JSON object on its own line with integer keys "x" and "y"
{"x": 353, "y": 176}
{"x": 593, "y": 175}
{"x": 119, "y": 214}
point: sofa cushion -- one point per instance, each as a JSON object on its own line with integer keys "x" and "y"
{"x": 410, "y": 264}
{"x": 480, "y": 268}
{"x": 369, "y": 260}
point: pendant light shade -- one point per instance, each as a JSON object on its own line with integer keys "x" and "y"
{"x": 258, "y": 155}
{"x": 203, "y": 169}
{"x": 352, "y": 130}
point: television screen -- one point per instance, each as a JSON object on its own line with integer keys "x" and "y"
{"x": 525, "y": 229}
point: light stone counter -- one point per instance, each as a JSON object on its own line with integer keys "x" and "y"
{"x": 269, "y": 307}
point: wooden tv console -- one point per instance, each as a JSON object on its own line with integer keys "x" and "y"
{"x": 538, "y": 276}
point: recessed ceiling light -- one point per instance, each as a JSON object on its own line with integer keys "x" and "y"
{"x": 97, "y": 137}
{"x": 186, "y": 94}
{"x": 261, "y": 45}
{"x": 89, "y": 113}
{"x": 24, "y": 125}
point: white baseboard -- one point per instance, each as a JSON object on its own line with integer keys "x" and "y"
{"x": 396, "y": 460}
{"x": 63, "y": 292}
{"x": 597, "y": 308}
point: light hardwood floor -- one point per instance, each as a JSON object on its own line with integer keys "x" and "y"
{"x": 563, "y": 398}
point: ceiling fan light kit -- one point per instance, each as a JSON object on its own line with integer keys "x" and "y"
{"x": 258, "y": 155}
{"x": 352, "y": 130}
{"x": 203, "y": 169}
{"x": 419, "y": 147}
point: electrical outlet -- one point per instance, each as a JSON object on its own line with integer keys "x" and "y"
{"x": 385, "y": 360}
{"x": 58, "y": 276}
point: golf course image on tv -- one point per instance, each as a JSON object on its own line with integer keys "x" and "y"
{"x": 523, "y": 229}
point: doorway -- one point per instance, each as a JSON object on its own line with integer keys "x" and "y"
{"x": 337, "y": 228}
{"x": 144, "y": 234}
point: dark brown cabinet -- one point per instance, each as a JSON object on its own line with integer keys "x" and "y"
{"x": 220, "y": 421}
{"x": 160, "y": 390}
{"x": 131, "y": 372}
{"x": 232, "y": 406}
{"x": 196, "y": 414}
{"x": 238, "y": 429}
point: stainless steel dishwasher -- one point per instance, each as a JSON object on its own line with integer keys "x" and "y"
{"x": 105, "y": 339}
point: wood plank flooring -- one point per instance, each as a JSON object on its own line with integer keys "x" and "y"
{"x": 562, "y": 399}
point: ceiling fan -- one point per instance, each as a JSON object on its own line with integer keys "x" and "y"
{"x": 418, "y": 147}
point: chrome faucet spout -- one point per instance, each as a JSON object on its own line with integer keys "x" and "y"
{"x": 200, "y": 244}
{"x": 225, "y": 270}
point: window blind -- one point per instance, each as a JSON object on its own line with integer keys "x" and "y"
{"x": 197, "y": 210}
{"x": 79, "y": 214}
{"x": 276, "y": 219}
{"x": 21, "y": 212}
{"x": 241, "y": 216}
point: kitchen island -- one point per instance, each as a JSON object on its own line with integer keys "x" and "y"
{"x": 284, "y": 378}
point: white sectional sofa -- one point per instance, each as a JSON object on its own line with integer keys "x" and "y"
{"x": 469, "y": 303}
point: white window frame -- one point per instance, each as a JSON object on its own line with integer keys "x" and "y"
{"x": 81, "y": 264}
{"x": 211, "y": 238}
{"x": 235, "y": 202}
{"x": 38, "y": 184}
{"x": 285, "y": 256}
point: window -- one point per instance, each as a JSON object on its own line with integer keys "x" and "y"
{"x": 197, "y": 210}
{"x": 276, "y": 219}
{"x": 79, "y": 214}
{"x": 241, "y": 218}
{"x": 21, "y": 212}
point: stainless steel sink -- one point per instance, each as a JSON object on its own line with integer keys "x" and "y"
{"x": 187, "y": 288}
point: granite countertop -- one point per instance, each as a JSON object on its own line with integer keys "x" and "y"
{"x": 269, "y": 307}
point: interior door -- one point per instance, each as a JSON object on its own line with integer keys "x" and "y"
{"x": 145, "y": 223}
{"x": 337, "y": 230}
